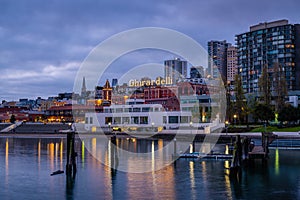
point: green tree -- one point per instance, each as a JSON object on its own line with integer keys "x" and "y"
{"x": 288, "y": 113}
{"x": 264, "y": 85}
{"x": 12, "y": 119}
{"x": 229, "y": 106}
{"x": 240, "y": 107}
{"x": 263, "y": 112}
{"x": 279, "y": 86}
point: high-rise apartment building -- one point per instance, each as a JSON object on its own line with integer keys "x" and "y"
{"x": 268, "y": 45}
{"x": 232, "y": 63}
{"x": 197, "y": 72}
{"x": 176, "y": 69}
{"x": 114, "y": 82}
{"x": 217, "y": 58}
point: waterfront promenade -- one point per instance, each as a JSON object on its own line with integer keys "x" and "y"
{"x": 34, "y": 128}
{"x": 54, "y": 130}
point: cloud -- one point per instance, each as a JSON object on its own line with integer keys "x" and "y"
{"x": 33, "y": 83}
{"x": 40, "y": 40}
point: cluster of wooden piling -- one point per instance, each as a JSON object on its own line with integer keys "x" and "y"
{"x": 245, "y": 150}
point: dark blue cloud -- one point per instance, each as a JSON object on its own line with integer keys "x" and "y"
{"x": 37, "y": 34}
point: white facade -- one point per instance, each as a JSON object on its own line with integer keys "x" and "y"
{"x": 139, "y": 116}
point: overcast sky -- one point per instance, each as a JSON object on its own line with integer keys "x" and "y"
{"x": 43, "y": 43}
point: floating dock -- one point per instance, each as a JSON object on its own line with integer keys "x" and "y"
{"x": 205, "y": 156}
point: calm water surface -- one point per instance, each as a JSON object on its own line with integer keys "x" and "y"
{"x": 26, "y": 165}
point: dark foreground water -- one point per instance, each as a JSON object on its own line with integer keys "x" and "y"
{"x": 26, "y": 165}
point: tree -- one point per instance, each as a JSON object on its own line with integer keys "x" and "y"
{"x": 240, "y": 100}
{"x": 229, "y": 106}
{"x": 264, "y": 85}
{"x": 263, "y": 112}
{"x": 288, "y": 113}
{"x": 279, "y": 86}
{"x": 12, "y": 119}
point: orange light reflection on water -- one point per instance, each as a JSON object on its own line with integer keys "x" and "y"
{"x": 51, "y": 155}
{"x": 6, "y": 156}
{"x": 39, "y": 154}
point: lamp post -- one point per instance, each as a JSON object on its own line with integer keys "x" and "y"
{"x": 226, "y": 126}
{"x": 265, "y": 125}
{"x": 152, "y": 126}
{"x": 109, "y": 124}
{"x": 235, "y": 116}
{"x": 191, "y": 124}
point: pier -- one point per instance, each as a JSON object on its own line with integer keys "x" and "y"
{"x": 245, "y": 150}
{"x": 258, "y": 152}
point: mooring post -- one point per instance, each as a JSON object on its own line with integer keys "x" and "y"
{"x": 239, "y": 149}
{"x": 193, "y": 146}
{"x": 237, "y": 157}
{"x": 175, "y": 150}
{"x": 71, "y": 154}
{"x": 246, "y": 147}
{"x": 114, "y": 155}
{"x": 267, "y": 142}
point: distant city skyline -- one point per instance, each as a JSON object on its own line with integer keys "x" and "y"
{"x": 43, "y": 44}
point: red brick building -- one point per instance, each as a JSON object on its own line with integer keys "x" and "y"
{"x": 70, "y": 113}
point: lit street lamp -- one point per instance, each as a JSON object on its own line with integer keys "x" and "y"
{"x": 191, "y": 126}
{"x": 109, "y": 124}
{"x": 235, "y": 116}
{"x": 226, "y": 126}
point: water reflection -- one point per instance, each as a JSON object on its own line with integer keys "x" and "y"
{"x": 227, "y": 177}
{"x": 61, "y": 150}
{"x": 51, "y": 155}
{"x": 29, "y": 162}
{"x": 276, "y": 162}
{"x": 82, "y": 153}
{"x": 39, "y": 153}
{"x": 6, "y": 161}
{"x": 192, "y": 179}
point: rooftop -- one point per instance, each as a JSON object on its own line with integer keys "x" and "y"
{"x": 268, "y": 25}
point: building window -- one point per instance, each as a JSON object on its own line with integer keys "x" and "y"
{"x": 117, "y": 120}
{"x": 164, "y": 119}
{"x": 135, "y": 120}
{"x": 184, "y": 119}
{"x": 173, "y": 119}
{"x": 143, "y": 120}
{"x": 146, "y": 109}
{"x": 125, "y": 120}
{"x": 119, "y": 110}
{"x": 136, "y": 109}
{"x": 108, "y": 120}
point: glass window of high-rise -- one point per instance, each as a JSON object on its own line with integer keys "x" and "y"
{"x": 268, "y": 45}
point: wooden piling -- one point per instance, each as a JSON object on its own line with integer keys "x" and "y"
{"x": 193, "y": 146}
{"x": 237, "y": 157}
{"x": 114, "y": 155}
{"x": 71, "y": 168}
{"x": 175, "y": 147}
